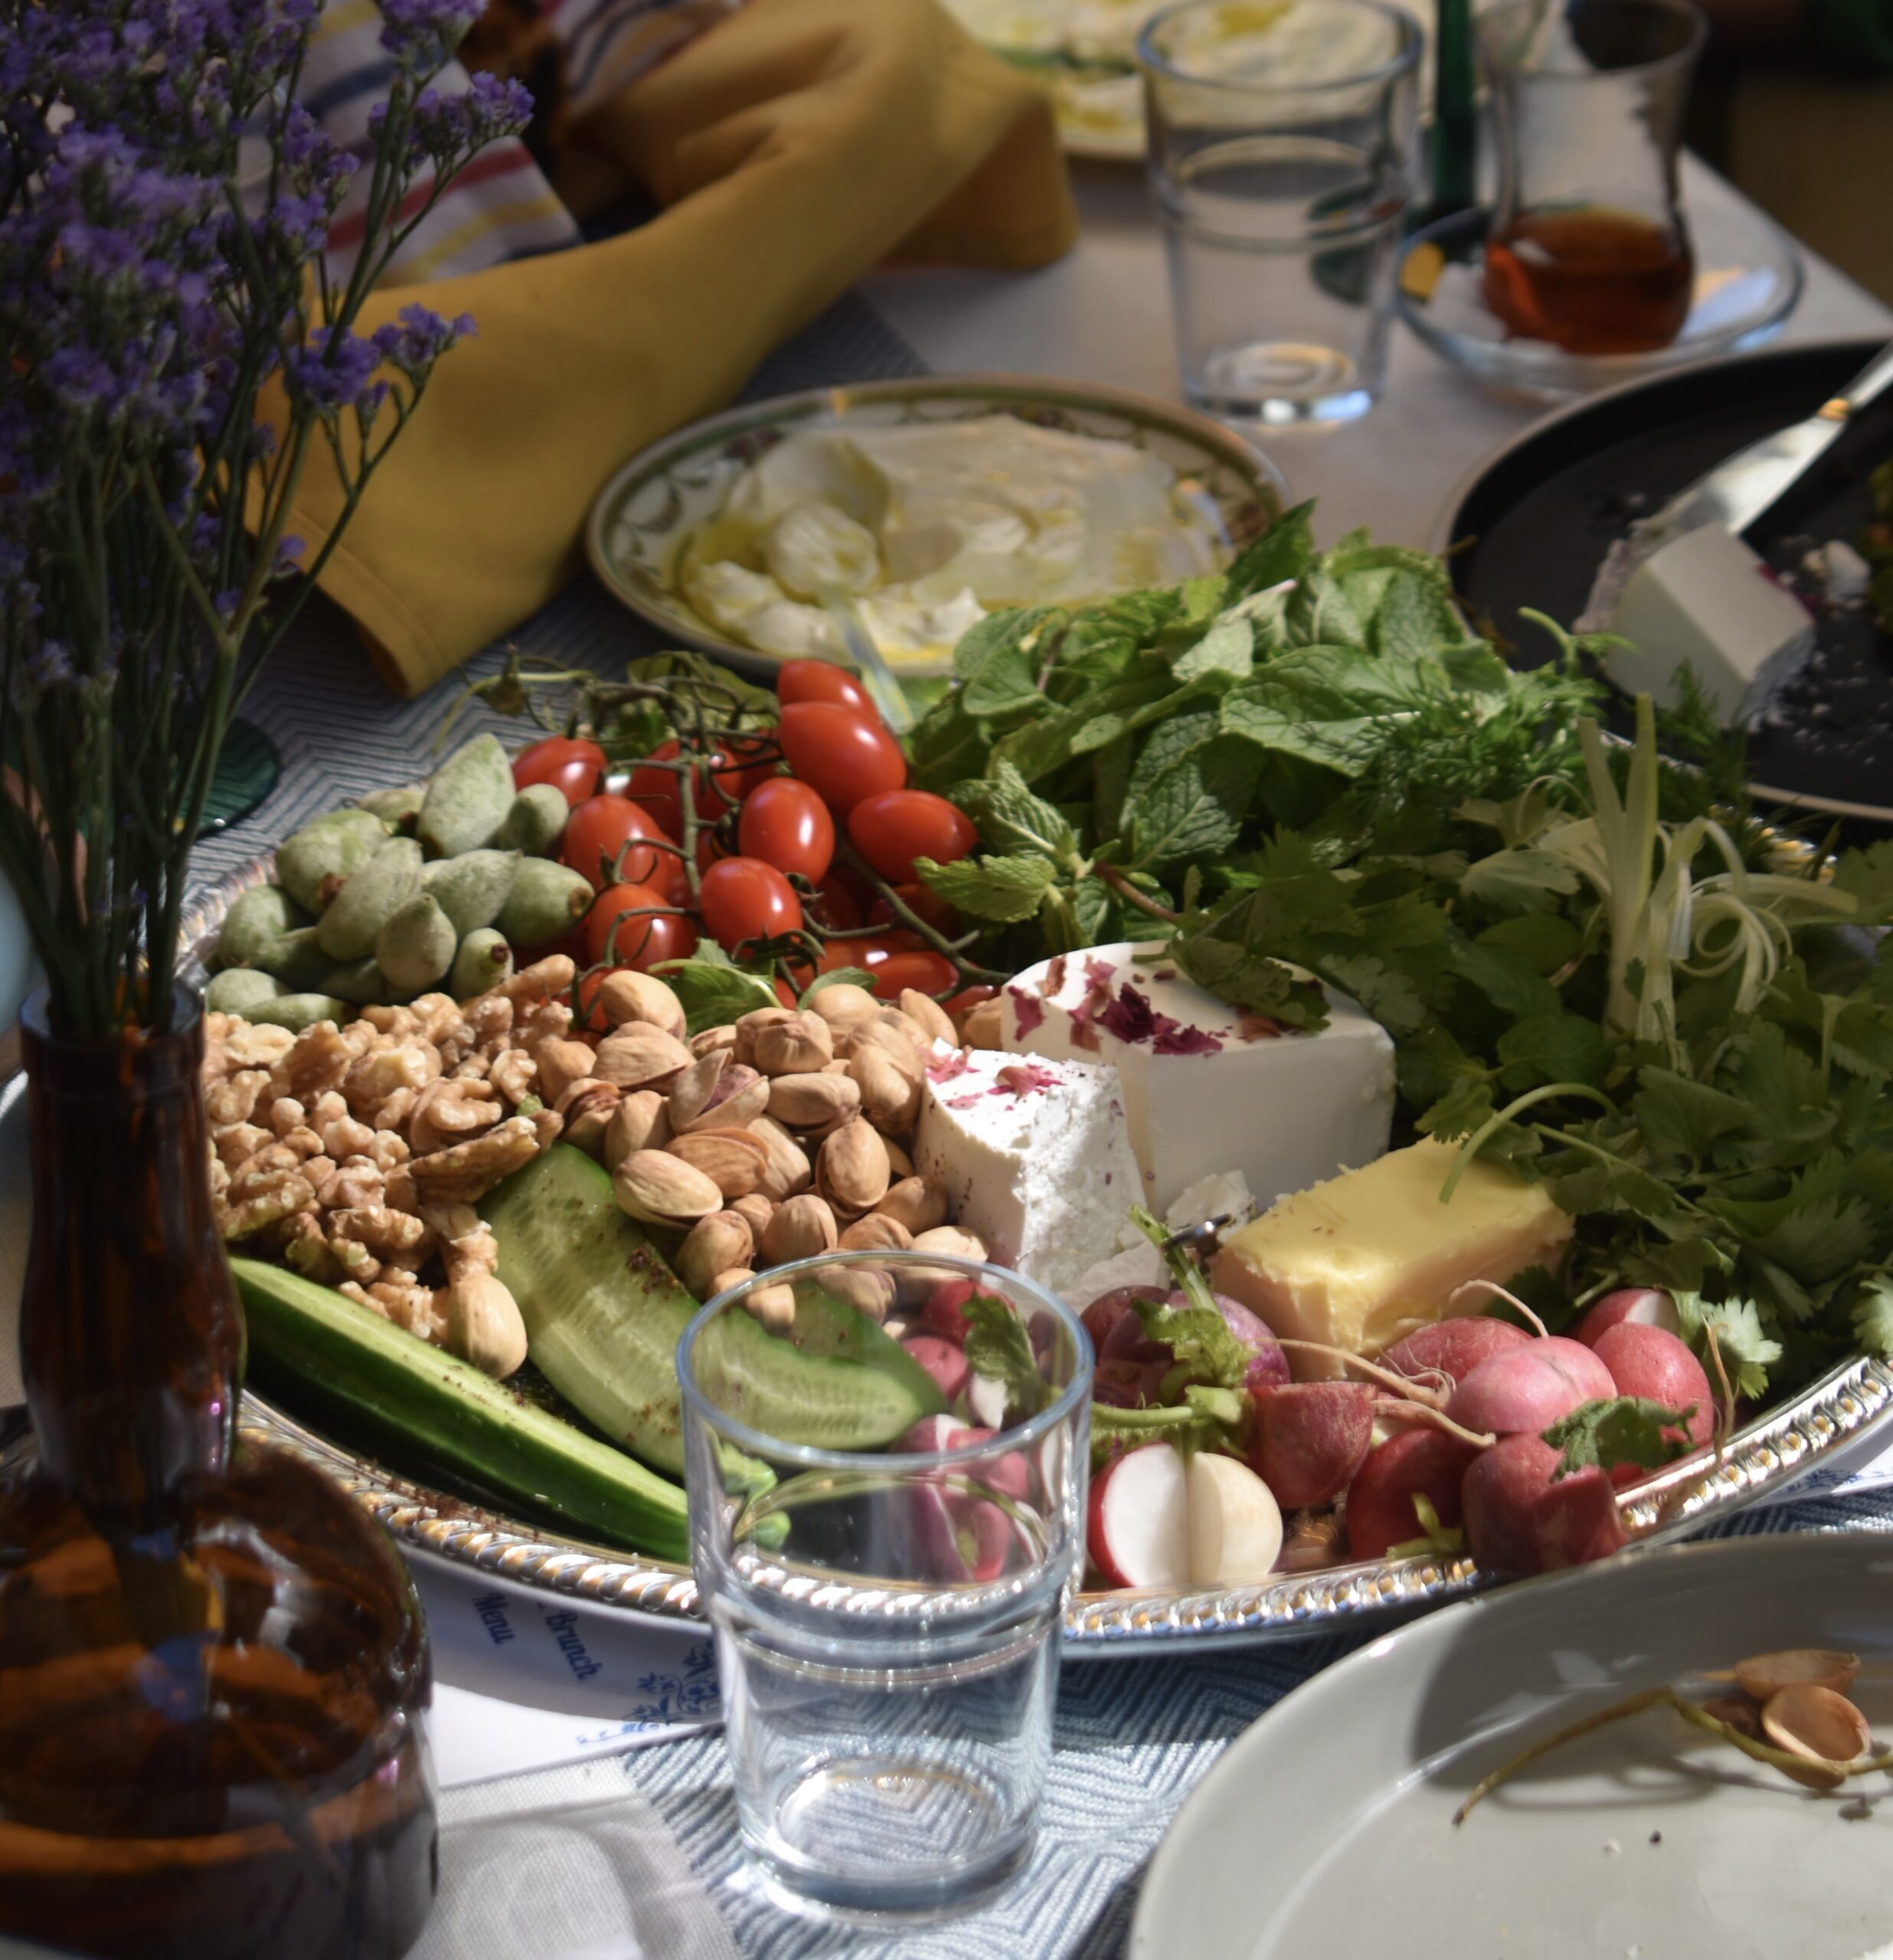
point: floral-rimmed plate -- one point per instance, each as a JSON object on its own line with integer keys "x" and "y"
{"x": 644, "y": 517}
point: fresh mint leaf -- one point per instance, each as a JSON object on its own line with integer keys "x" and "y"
{"x": 1173, "y": 738}
{"x": 999, "y": 660}
{"x": 1194, "y": 807}
{"x": 1320, "y": 614}
{"x": 1285, "y": 550}
{"x": 1011, "y": 818}
{"x": 713, "y": 991}
{"x": 947, "y": 745}
{"x": 1227, "y": 649}
{"x": 999, "y": 1347}
{"x": 1628, "y": 1428}
{"x": 1331, "y": 704}
{"x": 1005, "y": 890}
{"x": 1049, "y": 741}
{"x": 1414, "y": 619}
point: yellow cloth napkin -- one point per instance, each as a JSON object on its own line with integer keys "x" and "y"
{"x": 793, "y": 146}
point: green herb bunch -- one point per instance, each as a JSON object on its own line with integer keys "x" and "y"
{"x": 1596, "y": 964}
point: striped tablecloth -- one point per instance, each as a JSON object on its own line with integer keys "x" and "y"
{"x": 634, "y": 1844}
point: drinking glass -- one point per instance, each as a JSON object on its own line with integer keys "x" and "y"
{"x": 1588, "y": 247}
{"x": 888, "y": 1615}
{"x": 1282, "y": 154}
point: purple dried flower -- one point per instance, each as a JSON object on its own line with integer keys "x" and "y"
{"x": 420, "y": 34}
{"x": 334, "y": 370}
{"x": 419, "y": 337}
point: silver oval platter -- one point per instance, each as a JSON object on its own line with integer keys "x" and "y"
{"x": 1831, "y": 1424}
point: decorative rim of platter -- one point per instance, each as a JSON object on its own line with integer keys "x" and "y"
{"x": 1759, "y": 1462}
{"x": 650, "y": 506}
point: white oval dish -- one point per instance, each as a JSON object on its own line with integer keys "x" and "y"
{"x": 1328, "y": 1828}
{"x": 644, "y": 517}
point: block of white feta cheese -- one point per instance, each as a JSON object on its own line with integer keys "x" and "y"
{"x": 1208, "y": 1087}
{"x": 1137, "y": 1262}
{"x": 1033, "y": 1158}
{"x": 1361, "y": 1261}
{"x": 1706, "y": 598}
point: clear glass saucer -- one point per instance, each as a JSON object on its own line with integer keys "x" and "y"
{"x": 1748, "y": 280}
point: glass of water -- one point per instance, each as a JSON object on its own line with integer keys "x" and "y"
{"x": 886, "y": 1457}
{"x": 1282, "y": 155}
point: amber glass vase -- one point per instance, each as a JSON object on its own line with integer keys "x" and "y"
{"x": 212, "y": 1666}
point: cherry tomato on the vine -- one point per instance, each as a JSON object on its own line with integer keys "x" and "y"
{"x": 642, "y": 943}
{"x": 822, "y": 680}
{"x": 891, "y": 829}
{"x": 842, "y": 899}
{"x": 573, "y": 768}
{"x": 595, "y": 843}
{"x": 841, "y": 755}
{"x": 743, "y": 898}
{"x": 786, "y": 825}
{"x": 922, "y": 900}
{"x": 710, "y": 849}
{"x": 927, "y": 972}
{"x": 741, "y": 763}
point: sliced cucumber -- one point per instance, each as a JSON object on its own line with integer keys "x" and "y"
{"x": 829, "y": 1327}
{"x": 604, "y": 1315}
{"x": 314, "y": 1343}
{"x": 602, "y": 1311}
{"x": 774, "y": 1386}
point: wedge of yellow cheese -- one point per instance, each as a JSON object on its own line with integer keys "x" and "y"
{"x": 1363, "y": 1259}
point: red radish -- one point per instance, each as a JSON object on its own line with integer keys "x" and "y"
{"x": 1310, "y": 1438}
{"x": 934, "y": 1434}
{"x": 1529, "y": 1387}
{"x": 1453, "y": 1347}
{"x": 1268, "y": 1368}
{"x": 959, "y": 1538}
{"x": 1130, "y": 1368}
{"x": 1138, "y": 1526}
{"x": 1518, "y": 1520}
{"x": 941, "y": 1316}
{"x": 1643, "y": 1360}
{"x": 1638, "y": 1306}
{"x": 941, "y": 1360}
{"x": 1235, "y": 1525}
{"x": 1380, "y": 1510}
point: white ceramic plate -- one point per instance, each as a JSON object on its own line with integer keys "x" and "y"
{"x": 1326, "y": 1832}
{"x": 645, "y": 514}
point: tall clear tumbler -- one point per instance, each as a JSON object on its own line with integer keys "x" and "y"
{"x": 886, "y": 1578}
{"x": 1282, "y": 154}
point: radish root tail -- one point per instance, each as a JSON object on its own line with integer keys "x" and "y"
{"x": 1493, "y": 1291}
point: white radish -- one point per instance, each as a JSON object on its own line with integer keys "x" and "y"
{"x": 1138, "y": 1531}
{"x": 1235, "y": 1525}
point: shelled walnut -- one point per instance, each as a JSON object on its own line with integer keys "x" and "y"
{"x": 356, "y": 1153}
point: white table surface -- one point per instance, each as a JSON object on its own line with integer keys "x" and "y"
{"x": 1103, "y": 314}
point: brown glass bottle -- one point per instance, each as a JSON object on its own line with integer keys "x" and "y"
{"x": 212, "y": 1666}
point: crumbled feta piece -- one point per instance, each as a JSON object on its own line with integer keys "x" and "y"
{"x": 1033, "y": 1158}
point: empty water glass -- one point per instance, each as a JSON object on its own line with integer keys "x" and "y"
{"x": 885, "y": 1537}
{"x": 1282, "y": 155}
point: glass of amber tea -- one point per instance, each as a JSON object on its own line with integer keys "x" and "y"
{"x": 1589, "y": 248}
